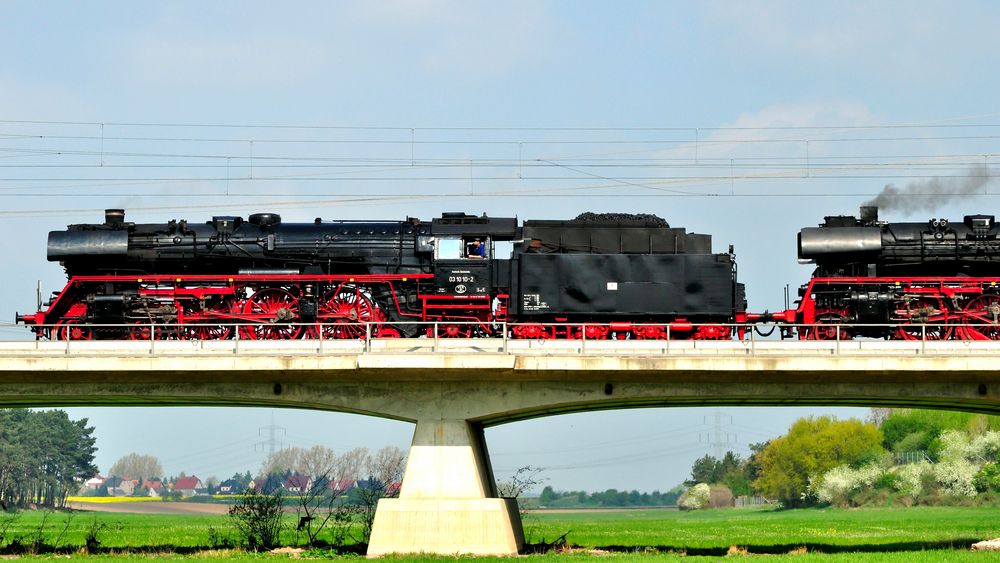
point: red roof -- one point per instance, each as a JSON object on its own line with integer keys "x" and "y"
{"x": 187, "y": 483}
{"x": 341, "y": 484}
{"x": 300, "y": 482}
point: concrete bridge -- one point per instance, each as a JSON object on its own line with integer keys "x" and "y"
{"x": 452, "y": 389}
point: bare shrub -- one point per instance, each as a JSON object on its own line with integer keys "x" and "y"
{"x": 385, "y": 469}
{"x": 523, "y": 480}
{"x": 324, "y": 506}
{"x": 7, "y": 520}
{"x": 719, "y": 496}
{"x": 92, "y": 540}
{"x": 257, "y": 517}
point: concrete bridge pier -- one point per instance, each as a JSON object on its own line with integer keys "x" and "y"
{"x": 448, "y": 502}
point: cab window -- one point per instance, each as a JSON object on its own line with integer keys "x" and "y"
{"x": 459, "y": 248}
{"x": 449, "y": 248}
{"x": 477, "y": 248}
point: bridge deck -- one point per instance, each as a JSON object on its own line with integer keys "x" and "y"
{"x": 487, "y": 346}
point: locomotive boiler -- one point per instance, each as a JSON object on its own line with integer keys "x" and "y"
{"x": 935, "y": 280}
{"x": 598, "y": 276}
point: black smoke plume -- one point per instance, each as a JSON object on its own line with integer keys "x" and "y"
{"x": 928, "y": 195}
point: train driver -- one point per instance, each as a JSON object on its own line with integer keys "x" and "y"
{"x": 477, "y": 249}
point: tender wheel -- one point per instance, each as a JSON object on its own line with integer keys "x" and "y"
{"x": 922, "y": 317}
{"x": 531, "y": 331}
{"x": 388, "y": 332}
{"x": 649, "y": 332}
{"x": 274, "y": 309}
{"x": 592, "y": 332}
{"x": 983, "y": 314}
{"x": 344, "y": 312}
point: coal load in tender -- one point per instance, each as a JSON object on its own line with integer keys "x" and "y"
{"x": 645, "y": 219}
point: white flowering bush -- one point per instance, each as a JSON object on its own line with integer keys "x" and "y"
{"x": 954, "y": 446}
{"x": 911, "y": 477}
{"x": 695, "y": 497}
{"x": 985, "y": 446}
{"x": 956, "y": 477}
{"x": 836, "y": 484}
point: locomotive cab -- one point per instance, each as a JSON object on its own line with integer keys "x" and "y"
{"x": 462, "y": 265}
{"x": 464, "y": 261}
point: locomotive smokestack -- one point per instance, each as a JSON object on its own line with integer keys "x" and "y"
{"x": 114, "y": 217}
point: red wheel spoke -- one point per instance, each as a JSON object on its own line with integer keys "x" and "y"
{"x": 983, "y": 314}
{"x": 274, "y": 310}
{"x": 922, "y": 317}
{"x": 144, "y": 330}
{"x": 832, "y": 317}
{"x": 202, "y": 326}
{"x": 344, "y": 312}
{"x": 452, "y": 330}
{"x": 72, "y": 329}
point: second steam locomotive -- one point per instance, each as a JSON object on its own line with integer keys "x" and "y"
{"x": 934, "y": 280}
{"x": 594, "y": 277}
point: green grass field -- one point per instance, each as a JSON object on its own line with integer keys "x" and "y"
{"x": 866, "y": 535}
{"x": 773, "y": 531}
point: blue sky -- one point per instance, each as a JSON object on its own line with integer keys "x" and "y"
{"x": 766, "y": 116}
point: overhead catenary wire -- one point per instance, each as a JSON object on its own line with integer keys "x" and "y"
{"x": 654, "y": 172}
{"x": 941, "y": 123}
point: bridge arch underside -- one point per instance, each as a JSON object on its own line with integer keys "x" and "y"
{"x": 491, "y": 395}
{"x": 494, "y": 403}
{"x": 448, "y": 502}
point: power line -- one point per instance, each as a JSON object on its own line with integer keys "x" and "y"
{"x": 932, "y": 125}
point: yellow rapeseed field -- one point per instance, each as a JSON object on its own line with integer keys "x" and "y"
{"x": 108, "y": 500}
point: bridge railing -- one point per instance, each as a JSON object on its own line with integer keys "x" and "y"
{"x": 499, "y": 338}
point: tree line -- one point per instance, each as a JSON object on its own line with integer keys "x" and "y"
{"x": 44, "y": 456}
{"x": 550, "y": 498}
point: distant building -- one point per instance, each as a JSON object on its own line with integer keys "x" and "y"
{"x": 267, "y": 484}
{"x": 341, "y": 486}
{"x": 189, "y": 486}
{"x": 154, "y": 488}
{"x": 230, "y": 487}
{"x": 118, "y": 487}
{"x": 298, "y": 484}
{"x": 94, "y": 482}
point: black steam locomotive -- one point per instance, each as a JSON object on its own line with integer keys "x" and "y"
{"x": 933, "y": 280}
{"x": 597, "y": 277}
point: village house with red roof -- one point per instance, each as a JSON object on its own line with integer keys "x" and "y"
{"x": 189, "y": 486}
